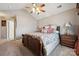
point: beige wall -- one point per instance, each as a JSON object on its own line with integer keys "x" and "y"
{"x": 25, "y": 22}
{"x": 60, "y": 19}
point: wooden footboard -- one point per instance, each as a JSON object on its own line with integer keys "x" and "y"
{"x": 33, "y": 44}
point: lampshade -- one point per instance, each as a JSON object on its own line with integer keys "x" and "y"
{"x": 68, "y": 24}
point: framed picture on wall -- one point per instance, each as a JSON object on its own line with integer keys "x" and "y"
{"x": 3, "y": 23}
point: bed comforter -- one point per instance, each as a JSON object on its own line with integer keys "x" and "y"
{"x": 50, "y": 41}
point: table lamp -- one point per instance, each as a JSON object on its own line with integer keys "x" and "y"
{"x": 67, "y": 26}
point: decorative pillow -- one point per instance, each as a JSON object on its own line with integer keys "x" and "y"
{"x": 54, "y": 27}
{"x": 49, "y": 29}
{"x": 44, "y": 30}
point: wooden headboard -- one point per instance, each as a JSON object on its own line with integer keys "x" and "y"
{"x": 58, "y": 29}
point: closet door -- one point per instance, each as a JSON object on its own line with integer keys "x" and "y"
{"x": 10, "y": 29}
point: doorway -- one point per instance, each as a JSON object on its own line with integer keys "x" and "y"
{"x": 7, "y": 28}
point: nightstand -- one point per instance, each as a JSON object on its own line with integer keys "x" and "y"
{"x": 68, "y": 40}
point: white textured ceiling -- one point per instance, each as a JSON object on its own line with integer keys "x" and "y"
{"x": 50, "y": 8}
{"x": 12, "y": 6}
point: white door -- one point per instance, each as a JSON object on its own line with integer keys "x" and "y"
{"x": 10, "y": 30}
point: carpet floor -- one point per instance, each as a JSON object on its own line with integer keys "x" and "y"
{"x": 15, "y": 48}
{"x": 62, "y": 51}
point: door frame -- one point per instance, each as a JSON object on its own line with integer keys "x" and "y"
{"x": 14, "y": 19}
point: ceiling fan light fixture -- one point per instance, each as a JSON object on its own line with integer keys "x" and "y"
{"x": 33, "y": 9}
{"x": 37, "y": 13}
{"x": 34, "y": 4}
{"x": 37, "y": 8}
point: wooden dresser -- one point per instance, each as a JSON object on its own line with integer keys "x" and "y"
{"x": 77, "y": 43}
{"x": 77, "y": 47}
{"x": 68, "y": 40}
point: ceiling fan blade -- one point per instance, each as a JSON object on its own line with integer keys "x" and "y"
{"x": 42, "y": 10}
{"x": 34, "y": 4}
{"x": 42, "y": 5}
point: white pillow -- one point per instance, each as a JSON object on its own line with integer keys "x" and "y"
{"x": 54, "y": 26}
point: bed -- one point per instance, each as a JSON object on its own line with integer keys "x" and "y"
{"x": 41, "y": 44}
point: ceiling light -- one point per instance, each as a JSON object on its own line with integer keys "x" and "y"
{"x": 37, "y": 8}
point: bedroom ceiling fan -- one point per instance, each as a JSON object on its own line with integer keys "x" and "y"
{"x": 37, "y": 8}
